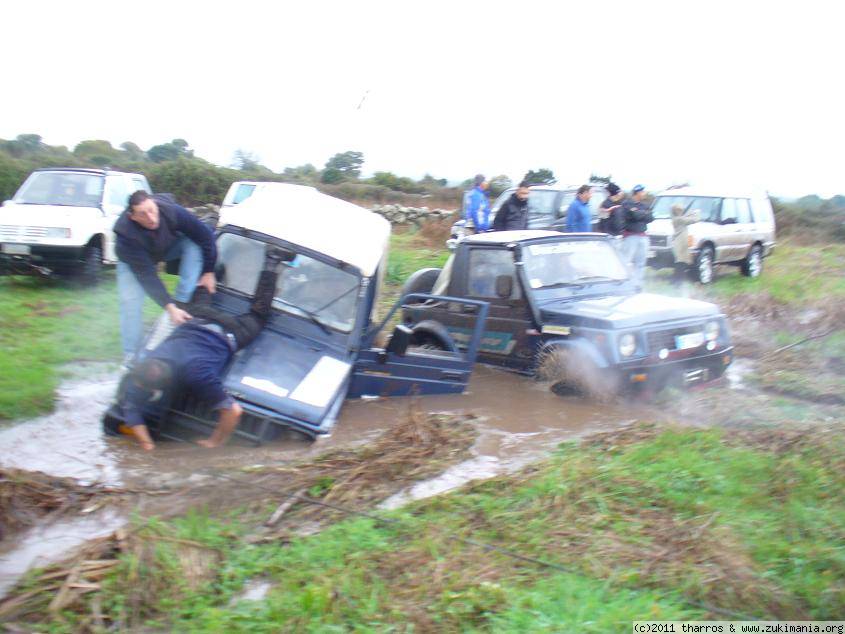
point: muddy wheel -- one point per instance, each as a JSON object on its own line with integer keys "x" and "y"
{"x": 574, "y": 374}
{"x": 752, "y": 265}
{"x": 92, "y": 265}
{"x": 703, "y": 270}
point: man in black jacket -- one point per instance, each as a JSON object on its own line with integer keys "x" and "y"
{"x": 611, "y": 214}
{"x": 635, "y": 241}
{"x": 513, "y": 214}
{"x": 152, "y": 230}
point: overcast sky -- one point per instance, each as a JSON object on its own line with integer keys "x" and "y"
{"x": 734, "y": 93}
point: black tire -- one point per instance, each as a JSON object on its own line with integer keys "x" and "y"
{"x": 703, "y": 272}
{"x": 752, "y": 265}
{"x": 421, "y": 282}
{"x": 91, "y": 269}
{"x": 432, "y": 335}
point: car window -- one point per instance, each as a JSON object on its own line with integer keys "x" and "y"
{"x": 118, "y": 191}
{"x": 242, "y": 193}
{"x": 541, "y": 202}
{"x": 70, "y": 189}
{"x": 307, "y": 284}
{"x": 487, "y": 264}
{"x": 729, "y": 210}
{"x": 707, "y": 206}
{"x": 743, "y": 211}
{"x": 140, "y": 184}
{"x": 550, "y": 264}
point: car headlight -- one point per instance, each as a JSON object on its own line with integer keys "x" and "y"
{"x": 627, "y": 345}
{"x": 711, "y": 330}
{"x": 57, "y": 232}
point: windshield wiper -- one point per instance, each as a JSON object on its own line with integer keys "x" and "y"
{"x": 311, "y": 316}
{"x": 589, "y": 279}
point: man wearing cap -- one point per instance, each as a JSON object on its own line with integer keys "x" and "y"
{"x": 635, "y": 241}
{"x": 478, "y": 205}
{"x": 611, "y": 216}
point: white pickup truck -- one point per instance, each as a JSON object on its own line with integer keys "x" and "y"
{"x": 61, "y": 219}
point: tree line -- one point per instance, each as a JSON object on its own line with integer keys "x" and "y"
{"x": 173, "y": 167}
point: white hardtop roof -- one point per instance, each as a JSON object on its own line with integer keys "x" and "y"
{"x": 303, "y": 216}
{"x": 713, "y": 192}
{"x": 503, "y": 237}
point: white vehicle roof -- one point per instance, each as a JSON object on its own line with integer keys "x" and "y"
{"x": 713, "y": 192}
{"x": 303, "y": 216}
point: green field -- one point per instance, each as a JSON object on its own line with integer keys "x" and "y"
{"x": 642, "y": 524}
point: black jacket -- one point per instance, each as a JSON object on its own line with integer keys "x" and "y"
{"x": 512, "y": 215}
{"x": 637, "y": 216}
{"x": 142, "y": 249}
{"x": 615, "y": 221}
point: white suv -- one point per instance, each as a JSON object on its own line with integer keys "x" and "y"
{"x": 61, "y": 220}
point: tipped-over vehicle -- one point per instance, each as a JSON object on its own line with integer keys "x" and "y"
{"x": 563, "y": 306}
{"x": 735, "y": 228}
{"x": 60, "y": 221}
{"x": 319, "y": 345}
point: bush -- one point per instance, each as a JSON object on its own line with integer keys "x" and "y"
{"x": 193, "y": 181}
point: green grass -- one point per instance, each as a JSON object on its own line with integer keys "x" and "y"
{"x": 646, "y": 527}
{"x": 45, "y": 325}
{"x": 408, "y": 255}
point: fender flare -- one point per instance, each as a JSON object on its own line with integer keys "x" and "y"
{"x": 433, "y": 329}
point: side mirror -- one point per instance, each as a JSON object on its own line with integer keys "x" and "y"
{"x": 504, "y": 286}
{"x": 400, "y": 340}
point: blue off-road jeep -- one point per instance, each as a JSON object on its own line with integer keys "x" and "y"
{"x": 319, "y": 346}
{"x": 563, "y": 305}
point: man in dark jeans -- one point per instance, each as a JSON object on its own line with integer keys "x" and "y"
{"x": 193, "y": 357}
{"x": 513, "y": 214}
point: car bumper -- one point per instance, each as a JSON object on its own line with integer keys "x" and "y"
{"x": 682, "y": 371}
{"x": 39, "y": 259}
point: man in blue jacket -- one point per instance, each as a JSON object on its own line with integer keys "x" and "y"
{"x": 579, "y": 218}
{"x": 152, "y": 230}
{"x": 478, "y": 205}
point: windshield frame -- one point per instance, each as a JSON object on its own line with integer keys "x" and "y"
{"x": 34, "y": 176}
{"x": 360, "y": 312}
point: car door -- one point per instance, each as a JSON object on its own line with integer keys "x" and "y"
{"x": 729, "y": 243}
{"x": 746, "y": 231}
{"x": 115, "y": 198}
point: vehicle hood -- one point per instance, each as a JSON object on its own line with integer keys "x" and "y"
{"x": 660, "y": 227}
{"x": 294, "y": 378}
{"x": 45, "y": 215}
{"x": 627, "y": 311}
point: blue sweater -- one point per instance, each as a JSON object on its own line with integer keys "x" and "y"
{"x": 578, "y": 217}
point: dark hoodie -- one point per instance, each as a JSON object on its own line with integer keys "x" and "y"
{"x": 142, "y": 249}
{"x": 512, "y": 215}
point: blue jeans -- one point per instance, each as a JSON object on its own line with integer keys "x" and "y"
{"x": 132, "y": 294}
{"x": 635, "y": 249}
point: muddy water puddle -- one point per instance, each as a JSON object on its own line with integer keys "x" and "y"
{"x": 518, "y": 419}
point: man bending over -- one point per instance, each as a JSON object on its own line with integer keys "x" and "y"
{"x": 193, "y": 357}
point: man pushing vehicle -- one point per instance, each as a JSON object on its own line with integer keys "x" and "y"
{"x": 154, "y": 229}
{"x": 192, "y": 359}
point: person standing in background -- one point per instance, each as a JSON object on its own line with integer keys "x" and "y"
{"x": 635, "y": 241}
{"x": 611, "y": 215}
{"x": 513, "y": 214}
{"x": 579, "y": 218}
{"x": 478, "y": 205}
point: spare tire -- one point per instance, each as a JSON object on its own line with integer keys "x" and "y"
{"x": 421, "y": 282}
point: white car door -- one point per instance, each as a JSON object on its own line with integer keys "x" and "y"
{"x": 115, "y": 198}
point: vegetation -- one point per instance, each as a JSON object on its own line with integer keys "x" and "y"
{"x": 645, "y": 523}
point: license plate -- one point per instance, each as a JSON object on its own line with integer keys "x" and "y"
{"x": 15, "y": 249}
{"x": 692, "y": 340}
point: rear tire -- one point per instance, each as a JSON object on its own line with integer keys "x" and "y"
{"x": 92, "y": 265}
{"x": 421, "y": 282}
{"x": 752, "y": 265}
{"x": 703, "y": 270}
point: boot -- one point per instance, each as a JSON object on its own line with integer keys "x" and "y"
{"x": 265, "y": 291}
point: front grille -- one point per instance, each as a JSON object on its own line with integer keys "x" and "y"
{"x": 660, "y": 339}
{"x": 10, "y": 232}
{"x": 659, "y": 241}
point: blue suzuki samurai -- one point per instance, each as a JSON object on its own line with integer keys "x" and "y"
{"x": 563, "y": 306}
{"x": 319, "y": 346}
